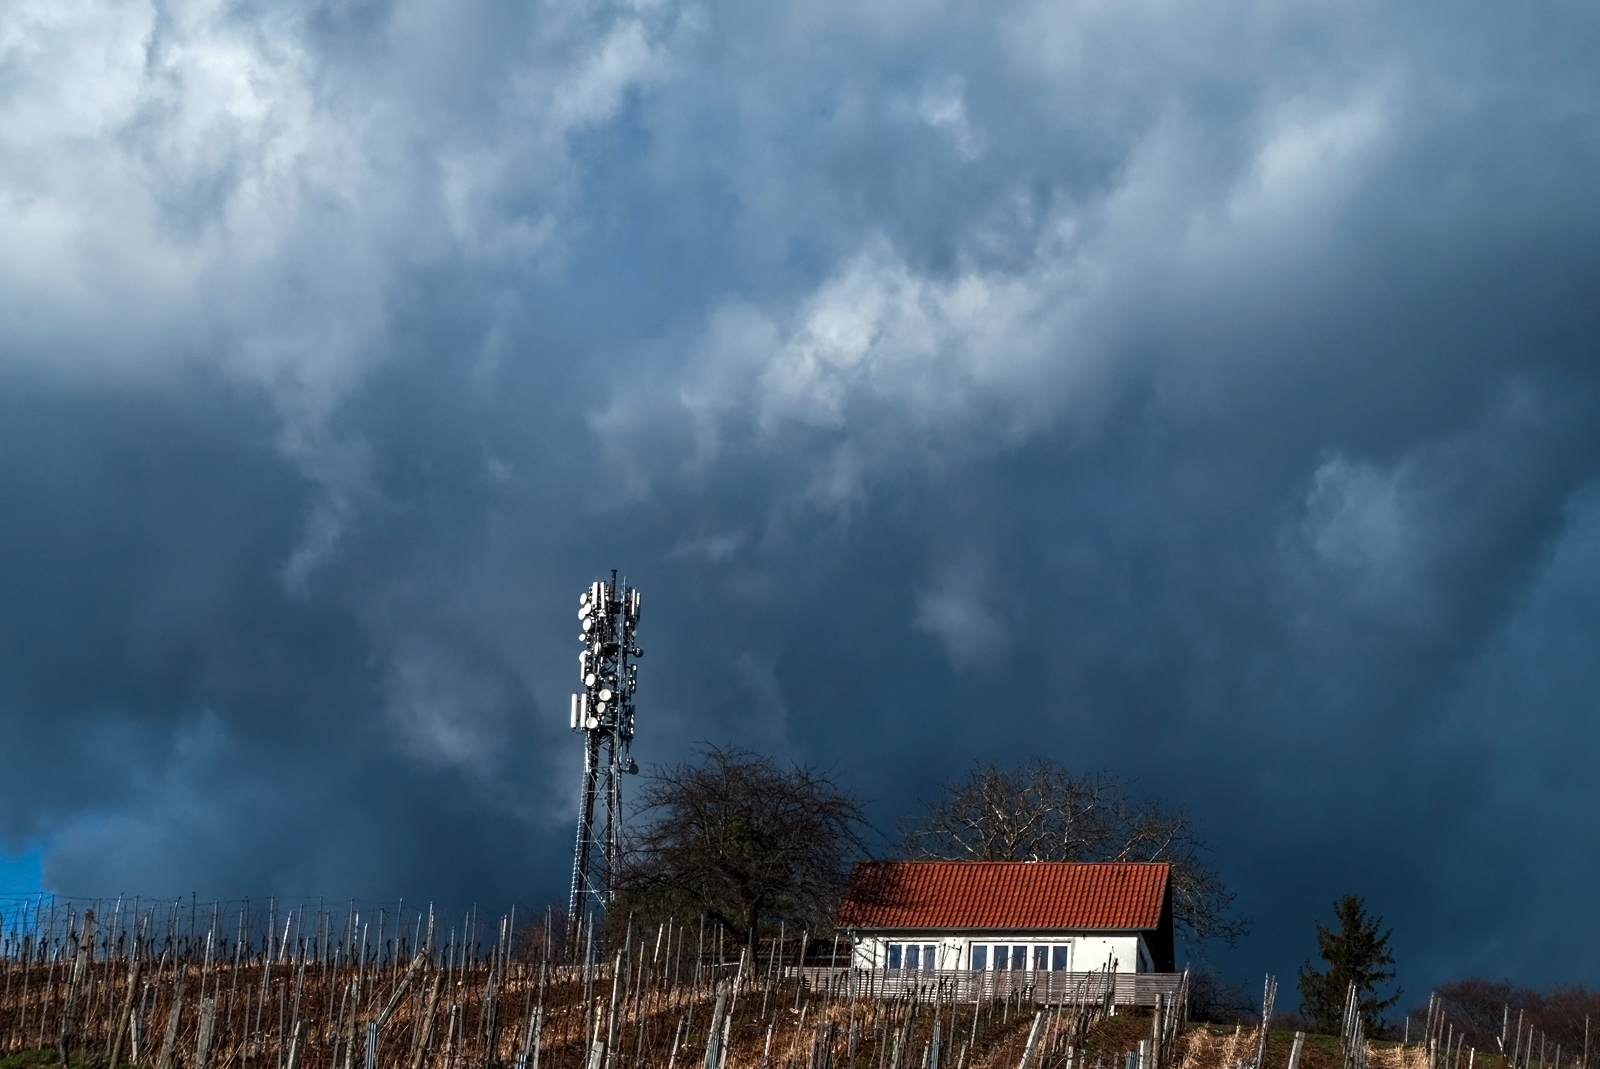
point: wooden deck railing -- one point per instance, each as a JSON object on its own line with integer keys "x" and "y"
{"x": 966, "y": 985}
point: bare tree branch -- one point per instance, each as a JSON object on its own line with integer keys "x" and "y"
{"x": 1040, "y": 811}
{"x": 743, "y": 841}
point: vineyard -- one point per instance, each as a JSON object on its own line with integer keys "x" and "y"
{"x": 310, "y": 989}
{"x": 231, "y": 987}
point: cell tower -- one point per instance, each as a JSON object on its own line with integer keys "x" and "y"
{"x": 603, "y": 711}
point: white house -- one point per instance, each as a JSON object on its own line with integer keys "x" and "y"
{"x": 1023, "y": 915}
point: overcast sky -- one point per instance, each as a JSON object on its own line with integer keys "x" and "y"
{"x": 1203, "y": 391}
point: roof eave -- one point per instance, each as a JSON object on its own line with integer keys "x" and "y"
{"x": 1079, "y": 929}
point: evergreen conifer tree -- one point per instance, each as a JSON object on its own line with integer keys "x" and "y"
{"x": 1356, "y": 954}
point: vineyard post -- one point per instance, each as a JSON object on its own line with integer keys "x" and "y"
{"x": 120, "y": 1026}
{"x": 80, "y": 966}
{"x": 420, "y": 1047}
{"x": 208, "y": 1025}
{"x": 297, "y": 1045}
{"x": 170, "y": 1041}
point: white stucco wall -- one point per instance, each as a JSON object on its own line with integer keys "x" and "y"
{"x": 1090, "y": 952}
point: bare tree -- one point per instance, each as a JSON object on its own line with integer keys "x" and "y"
{"x": 1040, "y": 811}
{"x": 1484, "y": 1010}
{"x": 738, "y": 838}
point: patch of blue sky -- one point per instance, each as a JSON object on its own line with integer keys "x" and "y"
{"x": 23, "y": 873}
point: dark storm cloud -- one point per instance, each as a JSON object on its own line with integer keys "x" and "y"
{"x": 1206, "y": 393}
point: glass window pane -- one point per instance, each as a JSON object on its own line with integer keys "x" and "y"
{"x": 1019, "y": 957}
{"x": 1002, "y": 956}
{"x": 980, "y": 958}
{"x": 1041, "y": 958}
{"x": 913, "y": 956}
{"x": 930, "y": 956}
{"x": 1058, "y": 958}
{"x": 894, "y": 955}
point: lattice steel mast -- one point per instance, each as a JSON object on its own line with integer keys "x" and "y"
{"x": 603, "y": 711}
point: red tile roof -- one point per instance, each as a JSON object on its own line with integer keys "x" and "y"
{"x": 1004, "y": 894}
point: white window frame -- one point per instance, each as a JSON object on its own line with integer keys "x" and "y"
{"x": 1030, "y": 948}
{"x": 928, "y": 955}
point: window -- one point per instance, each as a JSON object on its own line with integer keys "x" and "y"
{"x": 913, "y": 957}
{"x": 930, "y": 956}
{"x": 894, "y": 955}
{"x": 1019, "y": 957}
